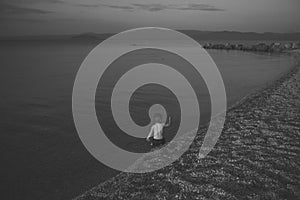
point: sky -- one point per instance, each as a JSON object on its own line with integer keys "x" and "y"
{"x": 49, "y": 17}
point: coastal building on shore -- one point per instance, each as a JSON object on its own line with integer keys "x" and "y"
{"x": 288, "y": 45}
{"x": 276, "y": 47}
{"x": 207, "y": 45}
{"x": 261, "y": 47}
{"x": 218, "y": 46}
{"x": 229, "y": 46}
{"x": 295, "y": 45}
{"x": 239, "y": 47}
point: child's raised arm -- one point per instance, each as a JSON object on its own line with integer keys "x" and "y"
{"x": 168, "y": 123}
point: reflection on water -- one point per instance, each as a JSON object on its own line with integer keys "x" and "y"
{"x": 41, "y": 152}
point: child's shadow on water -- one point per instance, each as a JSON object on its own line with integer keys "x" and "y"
{"x": 142, "y": 147}
{"x": 138, "y": 146}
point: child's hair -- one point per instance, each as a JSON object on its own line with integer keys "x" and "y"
{"x": 157, "y": 115}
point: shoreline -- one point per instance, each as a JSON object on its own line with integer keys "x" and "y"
{"x": 280, "y": 78}
{"x": 178, "y": 183}
{"x": 257, "y": 91}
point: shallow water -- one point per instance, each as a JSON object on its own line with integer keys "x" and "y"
{"x": 42, "y": 156}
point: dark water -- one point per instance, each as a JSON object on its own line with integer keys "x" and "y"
{"x": 41, "y": 154}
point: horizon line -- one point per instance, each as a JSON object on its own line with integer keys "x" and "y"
{"x": 112, "y": 33}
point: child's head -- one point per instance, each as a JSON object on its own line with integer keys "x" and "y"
{"x": 157, "y": 117}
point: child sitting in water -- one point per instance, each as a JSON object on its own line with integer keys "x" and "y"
{"x": 155, "y": 135}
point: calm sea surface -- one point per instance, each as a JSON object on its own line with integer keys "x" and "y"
{"x": 42, "y": 156}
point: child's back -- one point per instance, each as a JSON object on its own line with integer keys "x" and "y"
{"x": 156, "y": 132}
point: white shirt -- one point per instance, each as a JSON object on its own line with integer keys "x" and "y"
{"x": 156, "y": 131}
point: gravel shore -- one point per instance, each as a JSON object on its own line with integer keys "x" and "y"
{"x": 256, "y": 157}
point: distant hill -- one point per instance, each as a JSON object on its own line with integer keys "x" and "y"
{"x": 213, "y": 35}
{"x": 92, "y": 36}
{"x": 195, "y": 34}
